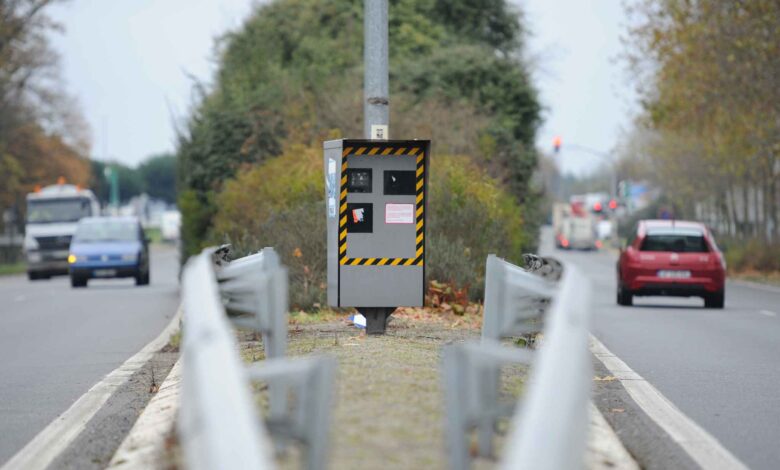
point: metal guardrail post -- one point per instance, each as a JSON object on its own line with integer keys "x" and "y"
{"x": 471, "y": 400}
{"x": 560, "y": 384}
{"x": 257, "y": 284}
{"x": 215, "y": 398}
{"x": 560, "y": 379}
{"x": 214, "y": 424}
{"x": 310, "y": 380}
{"x": 513, "y": 298}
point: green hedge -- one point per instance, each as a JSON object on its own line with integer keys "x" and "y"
{"x": 280, "y": 203}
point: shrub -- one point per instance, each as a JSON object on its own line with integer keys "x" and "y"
{"x": 280, "y": 203}
{"x": 751, "y": 255}
{"x": 469, "y": 217}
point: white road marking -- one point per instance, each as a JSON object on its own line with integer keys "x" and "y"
{"x": 768, "y": 313}
{"x": 41, "y": 451}
{"x": 755, "y": 285}
{"x": 702, "y": 447}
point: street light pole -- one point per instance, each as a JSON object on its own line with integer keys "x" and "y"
{"x": 376, "y": 104}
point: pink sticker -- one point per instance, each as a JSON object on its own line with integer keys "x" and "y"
{"x": 399, "y": 213}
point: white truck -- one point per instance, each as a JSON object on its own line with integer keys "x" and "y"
{"x": 52, "y": 215}
{"x": 170, "y": 226}
{"x": 574, "y": 227}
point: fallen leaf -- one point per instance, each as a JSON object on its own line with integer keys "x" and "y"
{"x": 606, "y": 378}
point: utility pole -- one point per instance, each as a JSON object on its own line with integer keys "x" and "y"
{"x": 376, "y": 101}
{"x": 111, "y": 174}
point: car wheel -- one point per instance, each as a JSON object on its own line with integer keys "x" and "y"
{"x": 78, "y": 281}
{"x": 624, "y": 297}
{"x": 33, "y": 276}
{"x": 142, "y": 278}
{"x": 716, "y": 300}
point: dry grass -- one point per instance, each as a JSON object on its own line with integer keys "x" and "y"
{"x": 769, "y": 277}
{"x": 389, "y": 401}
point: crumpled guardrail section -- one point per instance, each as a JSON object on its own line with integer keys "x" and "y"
{"x": 549, "y": 425}
{"x": 219, "y": 426}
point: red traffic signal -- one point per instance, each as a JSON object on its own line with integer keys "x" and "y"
{"x": 557, "y": 143}
{"x": 597, "y": 207}
{"x": 613, "y": 204}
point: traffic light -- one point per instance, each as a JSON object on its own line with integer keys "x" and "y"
{"x": 597, "y": 207}
{"x": 613, "y": 204}
{"x": 557, "y": 143}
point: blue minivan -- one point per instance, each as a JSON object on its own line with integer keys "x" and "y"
{"x": 108, "y": 247}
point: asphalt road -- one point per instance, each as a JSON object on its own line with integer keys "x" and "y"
{"x": 56, "y": 342}
{"x": 720, "y": 367}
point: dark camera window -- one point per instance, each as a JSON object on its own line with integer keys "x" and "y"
{"x": 360, "y": 217}
{"x": 359, "y": 180}
{"x": 400, "y": 182}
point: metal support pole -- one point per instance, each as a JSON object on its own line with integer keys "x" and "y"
{"x": 376, "y": 101}
{"x": 376, "y": 108}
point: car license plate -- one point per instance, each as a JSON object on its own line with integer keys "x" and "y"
{"x": 674, "y": 274}
{"x": 104, "y": 272}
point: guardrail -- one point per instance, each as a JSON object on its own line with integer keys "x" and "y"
{"x": 218, "y": 425}
{"x": 548, "y": 427}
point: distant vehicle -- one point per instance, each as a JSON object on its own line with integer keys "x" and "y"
{"x": 578, "y": 233}
{"x": 52, "y": 215}
{"x": 672, "y": 258}
{"x": 170, "y": 225}
{"x": 109, "y": 247}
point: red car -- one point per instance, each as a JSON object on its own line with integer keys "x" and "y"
{"x": 672, "y": 258}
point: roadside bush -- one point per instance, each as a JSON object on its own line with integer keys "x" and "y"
{"x": 469, "y": 217}
{"x": 280, "y": 203}
{"x": 751, "y": 255}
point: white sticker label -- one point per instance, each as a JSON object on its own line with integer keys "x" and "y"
{"x": 331, "y": 207}
{"x": 330, "y": 182}
{"x": 399, "y": 213}
{"x": 379, "y": 131}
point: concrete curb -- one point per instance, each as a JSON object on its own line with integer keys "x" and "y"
{"x": 605, "y": 451}
{"x": 144, "y": 446}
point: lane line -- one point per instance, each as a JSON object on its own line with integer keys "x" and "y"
{"x": 768, "y": 313}
{"x": 41, "y": 451}
{"x": 703, "y": 448}
{"x": 754, "y": 285}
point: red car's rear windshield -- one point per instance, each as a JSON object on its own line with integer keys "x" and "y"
{"x": 678, "y": 241}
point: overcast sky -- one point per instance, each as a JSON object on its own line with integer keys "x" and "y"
{"x": 129, "y": 63}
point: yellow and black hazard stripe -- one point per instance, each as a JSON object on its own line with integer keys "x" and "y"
{"x": 417, "y": 151}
